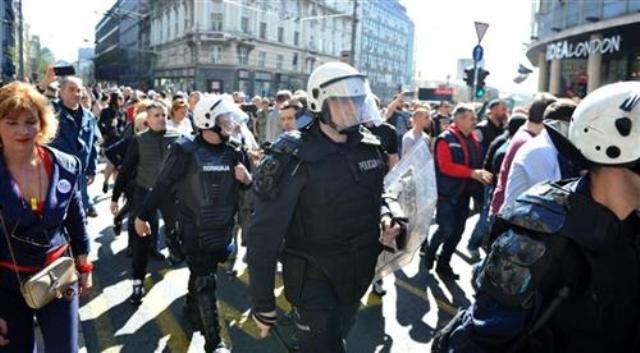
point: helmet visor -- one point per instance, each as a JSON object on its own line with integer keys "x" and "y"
{"x": 350, "y": 102}
{"x": 347, "y": 112}
{"x": 228, "y": 122}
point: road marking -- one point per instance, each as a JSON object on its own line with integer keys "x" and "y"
{"x": 94, "y": 309}
{"x": 446, "y": 306}
{"x": 237, "y": 319}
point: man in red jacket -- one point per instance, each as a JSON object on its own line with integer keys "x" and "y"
{"x": 458, "y": 173}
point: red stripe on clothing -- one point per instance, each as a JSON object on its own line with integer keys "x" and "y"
{"x": 51, "y": 257}
{"x": 445, "y": 161}
{"x": 47, "y": 162}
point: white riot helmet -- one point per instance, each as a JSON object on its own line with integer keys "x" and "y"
{"x": 218, "y": 112}
{"x": 341, "y": 96}
{"x": 605, "y": 126}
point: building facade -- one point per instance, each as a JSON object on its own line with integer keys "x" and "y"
{"x": 84, "y": 65}
{"x": 257, "y": 47}
{"x": 8, "y": 40}
{"x": 122, "y": 52}
{"x": 581, "y": 45}
{"x": 384, "y": 44}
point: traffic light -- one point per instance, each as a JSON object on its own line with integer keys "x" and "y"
{"x": 581, "y": 89}
{"x": 468, "y": 76}
{"x": 480, "y": 86}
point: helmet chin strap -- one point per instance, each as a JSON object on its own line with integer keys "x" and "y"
{"x": 218, "y": 131}
{"x": 325, "y": 118}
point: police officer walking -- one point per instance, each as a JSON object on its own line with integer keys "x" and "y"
{"x": 204, "y": 176}
{"x": 563, "y": 273}
{"x": 320, "y": 202}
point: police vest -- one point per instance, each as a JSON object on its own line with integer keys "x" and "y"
{"x": 336, "y": 221}
{"x": 450, "y": 187}
{"x": 152, "y": 148}
{"x": 562, "y": 238}
{"x": 208, "y": 195}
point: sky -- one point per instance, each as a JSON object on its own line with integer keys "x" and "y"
{"x": 444, "y": 32}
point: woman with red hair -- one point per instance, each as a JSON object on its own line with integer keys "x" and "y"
{"x": 41, "y": 219}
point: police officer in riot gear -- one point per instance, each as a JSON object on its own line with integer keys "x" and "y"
{"x": 563, "y": 274}
{"x": 205, "y": 175}
{"x": 321, "y": 210}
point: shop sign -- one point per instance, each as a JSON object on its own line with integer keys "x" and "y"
{"x": 566, "y": 50}
{"x": 243, "y": 74}
{"x": 263, "y": 76}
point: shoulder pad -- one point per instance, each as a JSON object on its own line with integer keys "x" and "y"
{"x": 268, "y": 174}
{"x": 543, "y": 208}
{"x": 368, "y": 138}
{"x": 187, "y": 143}
{"x": 286, "y": 144}
{"x": 234, "y": 143}
{"x": 516, "y": 265}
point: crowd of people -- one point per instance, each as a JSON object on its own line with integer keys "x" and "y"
{"x": 299, "y": 180}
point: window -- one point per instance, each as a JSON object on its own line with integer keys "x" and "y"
{"x": 263, "y": 30}
{"x": 312, "y": 42}
{"x": 280, "y": 34}
{"x": 216, "y": 22}
{"x": 243, "y": 56}
{"x": 216, "y": 54}
{"x": 296, "y": 38}
{"x": 279, "y": 61}
{"x": 262, "y": 59}
{"x": 244, "y": 24}
{"x": 294, "y": 62}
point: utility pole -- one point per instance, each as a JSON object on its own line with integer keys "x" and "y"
{"x": 21, "y": 43}
{"x": 354, "y": 29}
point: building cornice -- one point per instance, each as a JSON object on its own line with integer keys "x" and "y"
{"x": 538, "y": 45}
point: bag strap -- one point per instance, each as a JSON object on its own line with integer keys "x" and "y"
{"x": 9, "y": 245}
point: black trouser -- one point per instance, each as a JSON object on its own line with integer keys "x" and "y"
{"x": 201, "y": 297}
{"x": 324, "y": 321}
{"x": 142, "y": 245}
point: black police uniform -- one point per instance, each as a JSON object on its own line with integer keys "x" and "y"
{"x": 319, "y": 206}
{"x": 200, "y": 177}
{"x": 562, "y": 276}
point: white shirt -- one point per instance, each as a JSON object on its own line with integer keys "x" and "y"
{"x": 410, "y": 138}
{"x": 535, "y": 162}
{"x": 184, "y": 127}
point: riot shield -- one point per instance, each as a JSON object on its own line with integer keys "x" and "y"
{"x": 413, "y": 183}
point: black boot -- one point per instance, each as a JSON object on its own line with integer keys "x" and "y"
{"x": 444, "y": 270}
{"x": 429, "y": 258}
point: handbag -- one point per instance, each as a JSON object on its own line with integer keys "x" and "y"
{"x": 52, "y": 282}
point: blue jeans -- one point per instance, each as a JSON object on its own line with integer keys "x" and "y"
{"x": 482, "y": 227}
{"x": 58, "y": 320}
{"x": 451, "y": 218}
{"x": 324, "y": 321}
{"x": 86, "y": 200}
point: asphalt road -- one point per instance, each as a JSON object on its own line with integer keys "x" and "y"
{"x": 403, "y": 321}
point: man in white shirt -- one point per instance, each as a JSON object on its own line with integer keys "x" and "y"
{"x": 421, "y": 120}
{"x": 537, "y": 160}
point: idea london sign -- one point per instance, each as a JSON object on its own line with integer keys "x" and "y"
{"x": 566, "y": 50}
